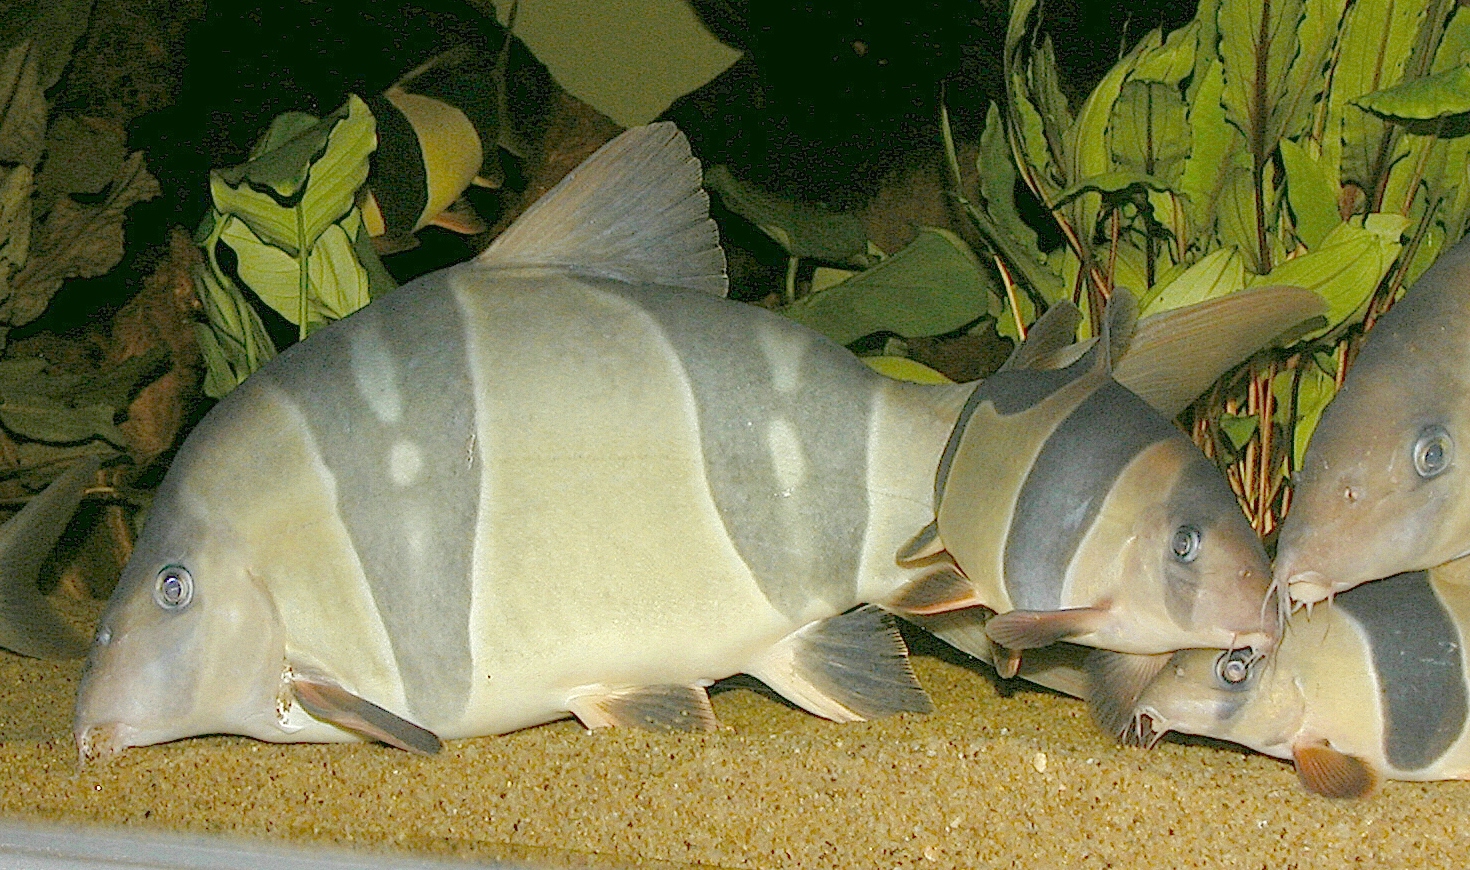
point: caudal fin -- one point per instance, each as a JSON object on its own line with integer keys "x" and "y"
{"x": 29, "y": 624}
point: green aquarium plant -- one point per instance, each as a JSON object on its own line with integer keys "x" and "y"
{"x": 295, "y": 237}
{"x": 1308, "y": 142}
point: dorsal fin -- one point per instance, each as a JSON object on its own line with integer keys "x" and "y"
{"x": 1051, "y": 333}
{"x": 1119, "y": 322}
{"x": 1175, "y": 355}
{"x": 633, "y": 211}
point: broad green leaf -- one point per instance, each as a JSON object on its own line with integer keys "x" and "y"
{"x": 332, "y": 285}
{"x": 1257, "y": 45}
{"x": 1433, "y": 96}
{"x": 1029, "y": 132}
{"x": 1122, "y": 183}
{"x": 1217, "y": 274}
{"x": 934, "y": 285}
{"x": 1311, "y": 192}
{"x": 1172, "y": 61}
{"x": 305, "y": 182}
{"x": 1374, "y": 46}
{"x": 1089, "y": 156}
{"x": 1148, "y": 133}
{"x": 52, "y": 27}
{"x": 60, "y": 408}
{"x": 805, "y": 230}
{"x": 1346, "y": 268}
{"x": 232, "y": 338}
{"x": 15, "y": 222}
{"x": 999, "y": 218}
{"x": 1306, "y": 79}
{"x": 901, "y": 368}
{"x": 1235, "y": 215}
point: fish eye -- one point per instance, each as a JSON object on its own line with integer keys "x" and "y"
{"x": 1185, "y": 544}
{"x": 1234, "y": 667}
{"x": 1433, "y": 452}
{"x": 174, "y": 588}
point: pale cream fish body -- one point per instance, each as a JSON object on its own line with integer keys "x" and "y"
{"x": 1374, "y": 687}
{"x": 569, "y": 478}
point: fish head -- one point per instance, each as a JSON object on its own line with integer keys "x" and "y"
{"x": 189, "y": 644}
{"x": 1381, "y": 489}
{"x": 1240, "y": 695}
{"x": 1172, "y": 556}
{"x": 192, "y": 641}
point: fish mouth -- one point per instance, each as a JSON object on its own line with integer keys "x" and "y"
{"x": 1308, "y": 587}
{"x": 1146, "y": 729}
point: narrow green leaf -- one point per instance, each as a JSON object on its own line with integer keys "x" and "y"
{"x": 1311, "y": 192}
{"x": 934, "y": 285}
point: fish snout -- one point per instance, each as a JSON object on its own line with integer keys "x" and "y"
{"x": 99, "y": 741}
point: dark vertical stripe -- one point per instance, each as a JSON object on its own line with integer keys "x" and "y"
{"x": 1417, "y": 662}
{"x": 1008, "y": 392}
{"x": 1066, "y": 487}
{"x": 801, "y": 543}
{"x": 413, "y": 535}
{"x": 396, "y": 173}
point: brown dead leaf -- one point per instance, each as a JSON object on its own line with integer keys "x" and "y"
{"x": 161, "y": 314}
{"x": 76, "y": 241}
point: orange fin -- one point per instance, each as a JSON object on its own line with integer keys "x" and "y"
{"x": 329, "y": 702}
{"x": 460, "y": 217}
{"x": 653, "y": 708}
{"x": 1028, "y": 629}
{"x": 1007, "y": 661}
{"x": 938, "y": 591}
{"x": 1115, "y": 683}
{"x": 1325, "y": 771}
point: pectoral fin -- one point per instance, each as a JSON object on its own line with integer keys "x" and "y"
{"x": 1115, "y": 683}
{"x": 653, "y": 708}
{"x": 848, "y": 668}
{"x": 329, "y": 702}
{"x": 1028, "y": 629}
{"x": 941, "y": 590}
{"x": 1325, "y": 771}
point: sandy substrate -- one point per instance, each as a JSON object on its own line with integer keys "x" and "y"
{"x": 996, "y": 777}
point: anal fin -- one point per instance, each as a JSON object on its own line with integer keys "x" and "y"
{"x": 848, "y": 668}
{"x": 653, "y": 708}
{"x": 1325, "y": 771}
{"x": 330, "y": 702}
